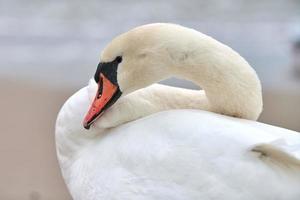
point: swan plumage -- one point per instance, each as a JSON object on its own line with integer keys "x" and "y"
{"x": 161, "y": 142}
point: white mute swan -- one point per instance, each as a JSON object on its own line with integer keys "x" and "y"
{"x": 192, "y": 150}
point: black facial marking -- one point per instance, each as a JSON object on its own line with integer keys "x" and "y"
{"x": 109, "y": 70}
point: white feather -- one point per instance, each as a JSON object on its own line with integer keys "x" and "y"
{"x": 142, "y": 148}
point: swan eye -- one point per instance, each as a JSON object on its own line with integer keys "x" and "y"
{"x": 119, "y": 59}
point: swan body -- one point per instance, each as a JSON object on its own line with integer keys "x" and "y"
{"x": 161, "y": 142}
{"x": 177, "y": 154}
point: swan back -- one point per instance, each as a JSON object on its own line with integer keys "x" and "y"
{"x": 184, "y": 154}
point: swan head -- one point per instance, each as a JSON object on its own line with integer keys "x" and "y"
{"x": 153, "y": 52}
{"x": 131, "y": 61}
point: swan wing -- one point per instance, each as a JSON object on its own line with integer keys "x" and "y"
{"x": 188, "y": 154}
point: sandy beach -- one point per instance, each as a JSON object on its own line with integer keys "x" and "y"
{"x": 29, "y": 168}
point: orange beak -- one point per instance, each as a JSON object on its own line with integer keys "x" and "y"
{"x": 107, "y": 95}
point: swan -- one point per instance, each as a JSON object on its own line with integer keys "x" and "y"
{"x": 126, "y": 137}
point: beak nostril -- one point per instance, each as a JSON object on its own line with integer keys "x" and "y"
{"x": 100, "y": 88}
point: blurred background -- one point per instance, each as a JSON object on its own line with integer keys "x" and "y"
{"x": 50, "y": 49}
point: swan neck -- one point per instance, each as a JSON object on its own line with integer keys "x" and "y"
{"x": 230, "y": 83}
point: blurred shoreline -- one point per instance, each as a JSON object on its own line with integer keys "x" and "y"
{"x": 29, "y": 168}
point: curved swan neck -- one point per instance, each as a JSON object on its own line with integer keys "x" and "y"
{"x": 157, "y": 51}
{"x": 231, "y": 85}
